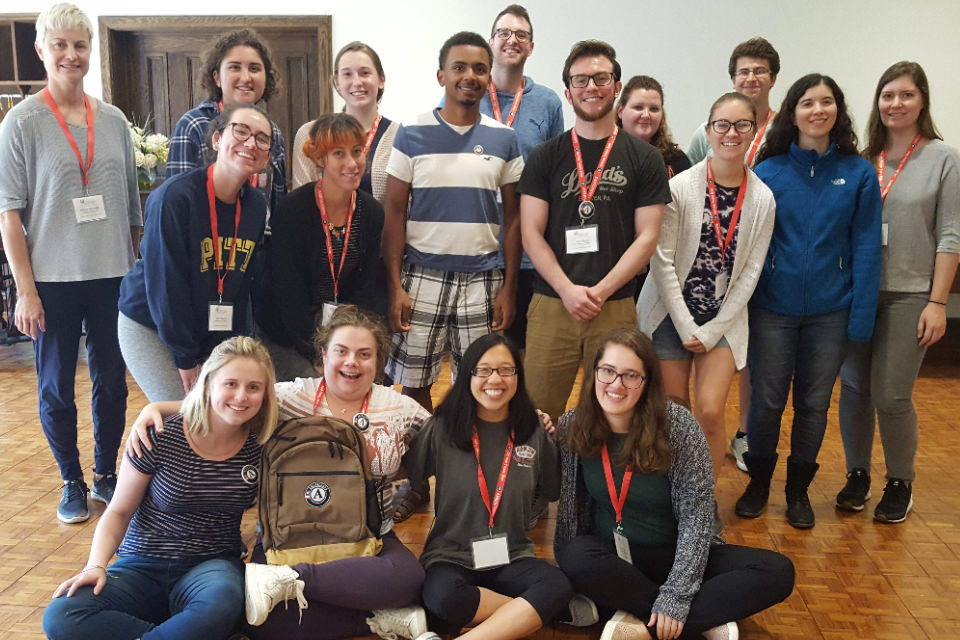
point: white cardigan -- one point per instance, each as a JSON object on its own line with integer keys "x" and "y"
{"x": 678, "y": 247}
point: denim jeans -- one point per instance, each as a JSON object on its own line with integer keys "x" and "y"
{"x": 807, "y": 350}
{"x": 154, "y": 599}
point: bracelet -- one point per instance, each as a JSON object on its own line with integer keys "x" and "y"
{"x": 91, "y": 567}
{"x": 942, "y": 304}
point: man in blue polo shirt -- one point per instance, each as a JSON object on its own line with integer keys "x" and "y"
{"x": 532, "y": 110}
{"x": 442, "y": 224}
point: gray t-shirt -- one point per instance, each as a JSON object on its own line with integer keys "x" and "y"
{"x": 922, "y": 217}
{"x": 461, "y": 515}
{"x": 40, "y": 176}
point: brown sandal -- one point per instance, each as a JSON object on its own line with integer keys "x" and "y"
{"x": 410, "y": 504}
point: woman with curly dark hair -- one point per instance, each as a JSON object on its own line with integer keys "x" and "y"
{"x": 236, "y": 70}
{"x": 640, "y": 113}
{"x": 818, "y": 287}
{"x": 634, "y": 522}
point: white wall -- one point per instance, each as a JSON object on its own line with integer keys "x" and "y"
{"x": 683, "y": 43}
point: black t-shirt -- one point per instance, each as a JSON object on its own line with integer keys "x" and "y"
{"x": 635, "y": 176}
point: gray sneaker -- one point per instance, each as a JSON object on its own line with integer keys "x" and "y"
{"x": 738, "y": 447}
{"x": 103, "y": 488}
{"x": 73, "y": 502}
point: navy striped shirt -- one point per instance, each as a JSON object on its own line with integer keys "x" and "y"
{"x": 192, "y": 506}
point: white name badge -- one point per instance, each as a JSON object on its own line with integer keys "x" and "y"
{"x": 721, "y": 288}
{"x": 326, "y": 312}
{"x": 220, "y": 317}
{"x": 583, "y": 239}
{"x": 89, "y": 208}
{"x": 490, "y": 552}
{"x": 623, "y": 546}
{"x": 884, "y": 231}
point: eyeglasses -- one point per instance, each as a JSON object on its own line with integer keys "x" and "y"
{"x": 758, "y": 72}
{"x": 504, "y": 34}
{"x": 742, "y": 126}
{"x": 486, "y": 372}
{"x": 242, "y": 133}
{"x": 630, "y": 379}
{"x": 581, "y": 80}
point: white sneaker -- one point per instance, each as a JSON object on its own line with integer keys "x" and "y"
{"x": 624, "y": 626}
{"x": 738, "y": 447}
{"x": 728, "y": 631}
{"x": 266, "y": 586}
{"x": 390, "y": 624}
{"x": 582, "y": 612}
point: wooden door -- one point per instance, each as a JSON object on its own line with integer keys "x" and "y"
{"x": 152, "y": 66}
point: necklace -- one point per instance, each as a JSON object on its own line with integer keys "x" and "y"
{"x": 335, "y": 231}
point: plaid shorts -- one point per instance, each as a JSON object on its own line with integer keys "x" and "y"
{"x": 448, "y": 311}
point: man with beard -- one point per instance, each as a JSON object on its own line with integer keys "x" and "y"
{"x": 591, "y": 206}
{"x": 442, "y": 224}
{"x": 533, "y": 110}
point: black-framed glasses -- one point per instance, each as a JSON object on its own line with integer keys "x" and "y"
{"x": 486, "y": 372}
{"x": 758, "y": 72}
{"x": 630, "y": 379}
{"x": 504, "y": 34}
{"x": 741, "y": 126}
{"x": 242, "y": 133}
{"x": 581, "y": 80}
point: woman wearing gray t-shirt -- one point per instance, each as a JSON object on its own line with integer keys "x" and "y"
{"x": 70, "y": 219}
{"x": 920, "y": 184}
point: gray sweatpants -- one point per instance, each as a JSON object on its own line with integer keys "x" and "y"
{"x": 149, "y": 360}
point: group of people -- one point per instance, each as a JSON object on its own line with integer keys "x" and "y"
{"x": 485, "y": 231}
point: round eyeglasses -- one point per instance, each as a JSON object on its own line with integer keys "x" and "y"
{"x": 242, "y": 133}
{"x": 504, "y": 34}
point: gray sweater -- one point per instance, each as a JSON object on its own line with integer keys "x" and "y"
{"x": 691, "y": 491}
{"x": 922, "y": 214}
{"x": 40, "y": 177}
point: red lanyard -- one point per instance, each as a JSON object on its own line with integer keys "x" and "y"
{"x": 617, "y": 501}
{"x": 669, "y": 172}
{"x": 322, "y": 206}
{"x": 585, "y": 194}
{"x": 758, "y": 139}
{"x": 882, "y": 163}
{"x": 322, "y": 391}
{"x": 501, "y": 479}
{"x": 212, "y": 197}
{"x": 372, "y": 134}
{"x": 495, "y": 103}
{"x": 715, "y": 214}
{"x": 84, "y": 170}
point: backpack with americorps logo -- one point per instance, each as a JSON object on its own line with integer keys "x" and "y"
{"x": 317, "y": 499}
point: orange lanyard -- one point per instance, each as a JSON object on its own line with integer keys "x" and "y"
{"x": 322, "y": 391}
{"x": 586, "y": 195}
{"x": 84, "y": 170}
{"x": 495, "y": 103}
{"x": 501, "y": 479}
{"x": 882, "y": 163}
{"x": 758, "y": 138}
{"x": 327, "y": 227}
{"x": 372, "y": 134}
{"x": 715, "y": 214}
{"x": 212, "y": 198}
{"x": 617, "y": 501}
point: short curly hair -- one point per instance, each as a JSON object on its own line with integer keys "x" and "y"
{"x": 216, "y": 53}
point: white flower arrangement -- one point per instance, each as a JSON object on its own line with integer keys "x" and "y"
{"x": 150, "y": 149}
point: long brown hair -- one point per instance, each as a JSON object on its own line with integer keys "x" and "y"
{"x": 647, "y": 446}
{"x": 661, "y": 139}
{"x": 876, "y": 131}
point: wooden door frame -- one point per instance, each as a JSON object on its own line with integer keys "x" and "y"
{"x": 112, "y": 26}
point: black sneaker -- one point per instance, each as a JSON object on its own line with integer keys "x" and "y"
{"x": 856, "y": 492}
{"x": 896, "y": 502}
{"x": 104, "y": 487}
{"x": 73, "y": 503}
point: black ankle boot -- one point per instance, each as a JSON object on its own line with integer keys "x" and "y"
{"x": 799, "y": 476}
{"x": 754, "y": 498}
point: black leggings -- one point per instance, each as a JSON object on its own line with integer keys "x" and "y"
{"x": 737, "y": 581}
{"x": 451, "y": 593}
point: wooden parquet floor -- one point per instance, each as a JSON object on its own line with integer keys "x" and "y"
{"x": 855, "y": 578}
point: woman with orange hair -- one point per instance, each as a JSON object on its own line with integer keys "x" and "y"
{"x": 325, "y": 247}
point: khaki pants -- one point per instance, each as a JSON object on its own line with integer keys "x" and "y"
{"x": 557, "y": 345}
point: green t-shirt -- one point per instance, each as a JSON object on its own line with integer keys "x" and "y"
{"x": 648, "y": 517}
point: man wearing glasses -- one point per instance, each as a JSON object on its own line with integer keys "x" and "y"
{"x": 753, "y": 68}
{"x": 532, "y": 110}
{"x": 590, "y": 212}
